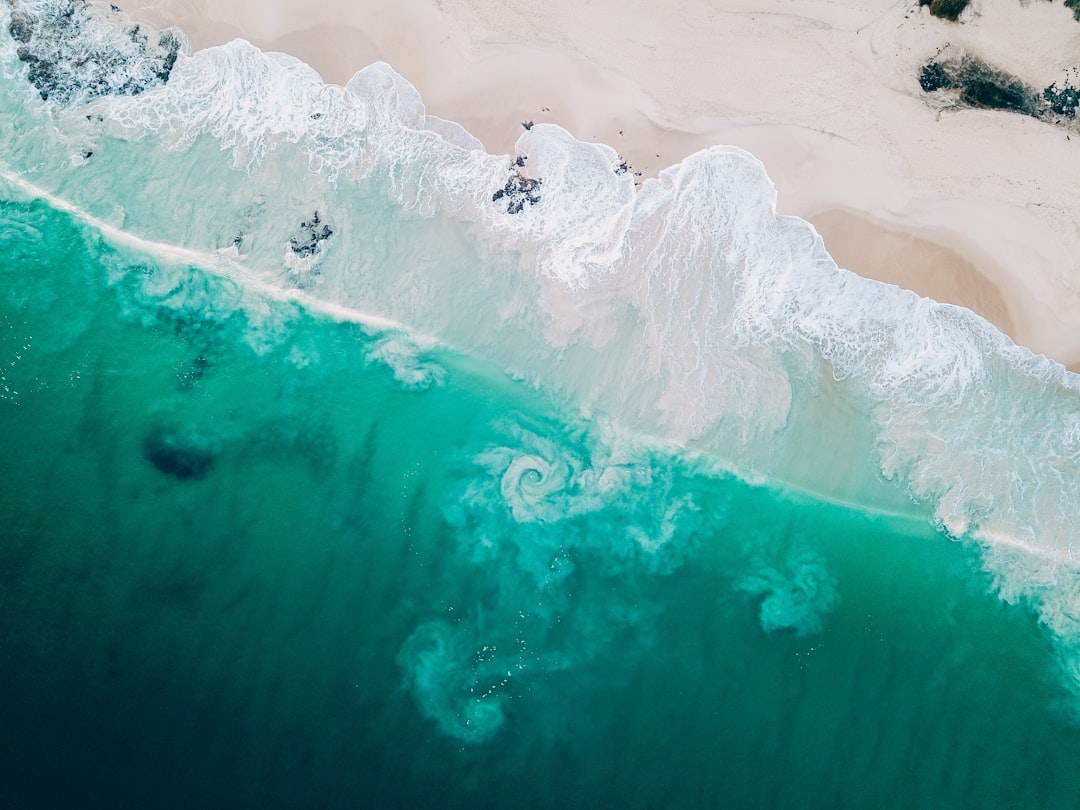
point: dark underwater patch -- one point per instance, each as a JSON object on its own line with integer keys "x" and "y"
{"x": 183, "y": 454}
{"x": 1063, "y": 100}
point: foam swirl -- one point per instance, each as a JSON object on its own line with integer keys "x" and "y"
{"x": 795, "y": 596}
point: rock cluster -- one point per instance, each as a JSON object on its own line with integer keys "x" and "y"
{"x": 311, "y": 237}
{"x": 518, "y": 190}
{"x": 73, "y": 52}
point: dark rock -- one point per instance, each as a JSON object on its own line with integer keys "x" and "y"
{"x": 168, "y": 42}
{"x": 21, "y": 26}
{"x": 311, "y": 237}
{"x": 1063, "y": 100}
{"x": 933, "y": 77}
{"x": 184, "y": 455}
{"x": 67, "y": 62}
{"x": 518, "y": 191}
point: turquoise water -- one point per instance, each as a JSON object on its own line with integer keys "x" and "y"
{"x": 334, "y": 479}
{"x": 353, "y": 607}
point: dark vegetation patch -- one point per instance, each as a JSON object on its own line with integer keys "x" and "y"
{"x": 974, "y": 83}
{"x": 948, "y": 9}
{"x": 74, "y": 51}
{"x": 1075, "y": 6}
{"x": 980, "y": 85}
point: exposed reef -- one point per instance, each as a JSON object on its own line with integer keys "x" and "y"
{"x": 313, "y": 232}
{"x": 68, "y": 60}
{"x": 519, "y": 189}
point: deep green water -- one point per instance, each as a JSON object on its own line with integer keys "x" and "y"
{"x": 456, "y": 594}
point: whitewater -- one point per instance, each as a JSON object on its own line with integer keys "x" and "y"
{"x": 682, "y": 321}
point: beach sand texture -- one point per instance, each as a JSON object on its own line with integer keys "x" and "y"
{"x": 967, "y": 206}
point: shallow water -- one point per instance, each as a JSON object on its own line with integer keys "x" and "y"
{"x": 381, "y": 596}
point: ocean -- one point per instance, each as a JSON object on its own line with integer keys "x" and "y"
{"x": 346, "y": 465}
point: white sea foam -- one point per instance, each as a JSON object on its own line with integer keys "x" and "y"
{"x": 686, "y": 310}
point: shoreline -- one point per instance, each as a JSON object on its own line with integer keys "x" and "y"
{"x": 923, "y": 262}
{"x": 967, "y": 206}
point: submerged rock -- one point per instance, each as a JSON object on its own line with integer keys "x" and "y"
{"x": 313, "y": 232}
{"x": 183, "y": 454}
{"x": 191, "y": 373}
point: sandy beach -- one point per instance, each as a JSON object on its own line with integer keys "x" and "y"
{"x": 967, "y": 206}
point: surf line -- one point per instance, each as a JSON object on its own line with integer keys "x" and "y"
{"x": 221, "y": 265}
{"x": 216, "y": 263}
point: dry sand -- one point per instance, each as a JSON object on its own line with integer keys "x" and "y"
{"x": 972, "y": 207}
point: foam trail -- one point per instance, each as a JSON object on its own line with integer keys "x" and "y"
{"x": 687, "y": 310}
{"x": 539, "y": 509}
{"x": 795, "y": 596}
